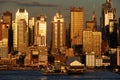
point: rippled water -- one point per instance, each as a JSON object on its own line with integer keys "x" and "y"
{"x": 37, "y": 75}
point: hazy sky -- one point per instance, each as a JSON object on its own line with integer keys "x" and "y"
{"x": 50, "y": 7}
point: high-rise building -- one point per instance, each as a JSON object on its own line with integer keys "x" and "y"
{"x": 31, "y": 30}
{"x": 7, "y": 19}
{"x": 4, "y": 40}
{"x": 20, "y": 14}
{"x": 41, "y": 31}
{"x": 76, "y": 26}
{"x": 22, "y": 33}
{"x": 108, "y": 13}
{"x": 113, "y": 33}
{"x": 97, "y": 42}
{"x": 92, "y": 41}
{"x": 58, "y": 33}
{"x": 87, "y": 41}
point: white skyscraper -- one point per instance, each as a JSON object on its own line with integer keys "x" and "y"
{"x": 20, "y": 14}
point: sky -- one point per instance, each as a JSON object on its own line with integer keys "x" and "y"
{"x": 50, "y": 7}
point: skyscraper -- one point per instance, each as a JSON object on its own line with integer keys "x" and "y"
{"x": 41, "y": 31}
{"x": 31, "y": 30}
{"x": 76, "y": 26}
{"x": 7, "y": 19}
{"x": 58, "y": 33}
{"x": 4, "y": 40}
{"x": 92, "y": 41}
{"x": 20, "y": 14}
{"x": 108, "y": 13}
{"x": 22, "y": 35}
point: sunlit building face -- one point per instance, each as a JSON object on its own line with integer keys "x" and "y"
{"x": 41, "y": 31}
{"x": 76, "y": 24}
{"x": 20, "y": 14}
{"x": 58, "y": 32}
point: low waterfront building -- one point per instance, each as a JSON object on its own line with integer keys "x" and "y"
{"x": 98, "y": 61}
{"x": 106, "y": 61}
{"x": 8, "y": 61}
{"x": 90, "y": 60}
{"x": 36, "y": 56}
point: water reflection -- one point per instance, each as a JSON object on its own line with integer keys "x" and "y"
{"x": 37, "y": 75}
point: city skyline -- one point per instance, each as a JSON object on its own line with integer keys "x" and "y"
{"x": 48, "y": 8}
{"x": 35, "y": 7}
{"x": 69, "y": 36}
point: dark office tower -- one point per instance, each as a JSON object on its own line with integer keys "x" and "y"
{"x": 7, "y": 19}
{"x": 76, "y": 26}
{"x": 108, "y": 13}
{"x": 31, "y": 30}
{"x": 118, "y": 33}
{"x": 58, "y": 33}
{"x": 113, "y": 34}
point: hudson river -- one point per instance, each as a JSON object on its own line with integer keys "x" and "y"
{"x": 37, "y": 75}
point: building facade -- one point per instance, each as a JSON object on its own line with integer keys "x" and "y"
{"x": 92, "y": 41}
{"x": 108, "y": 12}
{"x": 22, "y": 35}
{"x": 7, "y": 19}
{"x": 58, "y": 33}
{"x": 4, "y": 50}
{"x": 20, "y": 14}
{"x": 41, "y": 31}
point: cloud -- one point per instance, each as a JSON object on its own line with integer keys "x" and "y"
{"x": 28, "y": 3}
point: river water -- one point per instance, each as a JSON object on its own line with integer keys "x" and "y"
{"x": 37, "y": 75}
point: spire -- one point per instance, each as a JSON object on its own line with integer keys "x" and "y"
{"x": 109, "y": 2}
{"x": 93, "y": 14}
